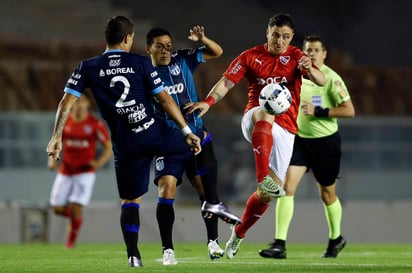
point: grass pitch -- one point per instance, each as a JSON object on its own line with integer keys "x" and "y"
{"x": 44, "y": 258}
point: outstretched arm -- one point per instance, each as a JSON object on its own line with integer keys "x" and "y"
{"x": 171, "y": 108}
{"x": 313, "y": 73}
{"x": 212, "y": 49}
{"x": 63, "y": 111}
{"x": 219, "y": 90}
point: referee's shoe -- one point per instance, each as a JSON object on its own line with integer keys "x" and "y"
{"x": 334, "y": 247}
{"x": 276, "y": 250}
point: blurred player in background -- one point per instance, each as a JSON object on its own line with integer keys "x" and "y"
{"x": 74, "y": 182}
{"x": 318, "y": 147}
{"x": 176, "y": 71}
{"x": 123, "y": 85}
{"x": 271, "y": 137}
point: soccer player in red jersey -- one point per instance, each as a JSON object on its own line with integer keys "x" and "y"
{"x": 317, "y": 148}
{"x": 271, "y": 137}
{"x": 73, "y": 185}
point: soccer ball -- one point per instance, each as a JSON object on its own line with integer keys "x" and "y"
{"x": 275, "y": 98}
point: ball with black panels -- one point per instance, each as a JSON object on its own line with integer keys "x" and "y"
{"x": 275, "y": 98}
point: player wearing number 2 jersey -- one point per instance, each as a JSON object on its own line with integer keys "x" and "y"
{"x": 123, "y": 85}
{"x": 274, "y": 61}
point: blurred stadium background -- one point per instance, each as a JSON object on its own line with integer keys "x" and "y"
{"x": 42, "y": 41}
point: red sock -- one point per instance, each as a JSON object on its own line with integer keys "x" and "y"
{"x": 253, "y": 211}
{"x": 262, "y": 142}
{"x": 75, "y": 225}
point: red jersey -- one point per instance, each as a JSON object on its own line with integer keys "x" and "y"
{"x": 260, "y": 68}
{"x": 79, "y": 144}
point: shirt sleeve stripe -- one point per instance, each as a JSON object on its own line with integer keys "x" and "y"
{"x": 72, "y": 91}
{"x": 158, "y": 90}
{"x": 200, "y": 55}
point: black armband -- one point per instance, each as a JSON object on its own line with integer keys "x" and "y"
{"x": 321, "y": 112}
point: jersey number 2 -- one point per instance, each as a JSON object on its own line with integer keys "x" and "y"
{"x": 121, "y": 102}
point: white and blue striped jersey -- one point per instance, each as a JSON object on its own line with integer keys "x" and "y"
{"x": 178, "y": 79}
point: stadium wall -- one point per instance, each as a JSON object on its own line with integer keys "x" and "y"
{"x": 363, "y": 222}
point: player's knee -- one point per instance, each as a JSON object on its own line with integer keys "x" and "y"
{"x": 328, "y": 197}
{"x": 167, "y": 190}
{"x": 58, "y": 210}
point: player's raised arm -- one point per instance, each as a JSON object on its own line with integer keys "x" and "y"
{"x": 313, "y": 72}
{"x": 219, "y": 90}
{"x": 211, "y": 49}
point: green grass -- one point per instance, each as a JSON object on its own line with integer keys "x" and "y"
{"x": 44, "y": 258}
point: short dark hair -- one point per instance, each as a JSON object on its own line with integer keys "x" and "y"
{"x": 117, "y": 28}
{"x": 156, "y": 32}
{"x": 314, "y": 38}
{"x": 280, "y": 20}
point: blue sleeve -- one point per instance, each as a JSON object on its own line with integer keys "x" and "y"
{"x": 154, "y": 78}
{"x": 192, "y": 57}
{"x": 76, "y": 84}
{"x": 200, "y": 55}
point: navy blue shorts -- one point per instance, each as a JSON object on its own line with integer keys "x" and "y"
{"x": 173, "y": 165}
{"x": 321, "y": 155}
{"x": 133, "y": 160}
{"x": 205, "y": 161}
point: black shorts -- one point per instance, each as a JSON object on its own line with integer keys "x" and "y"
{"x": 321, "y": 155}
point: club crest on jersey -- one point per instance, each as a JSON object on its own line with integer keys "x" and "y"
{"x": 160, "y": 164}
{"x": 174, "y": 70}
{"x": 87, "y": 129}
{"x": 284, "y": 59}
